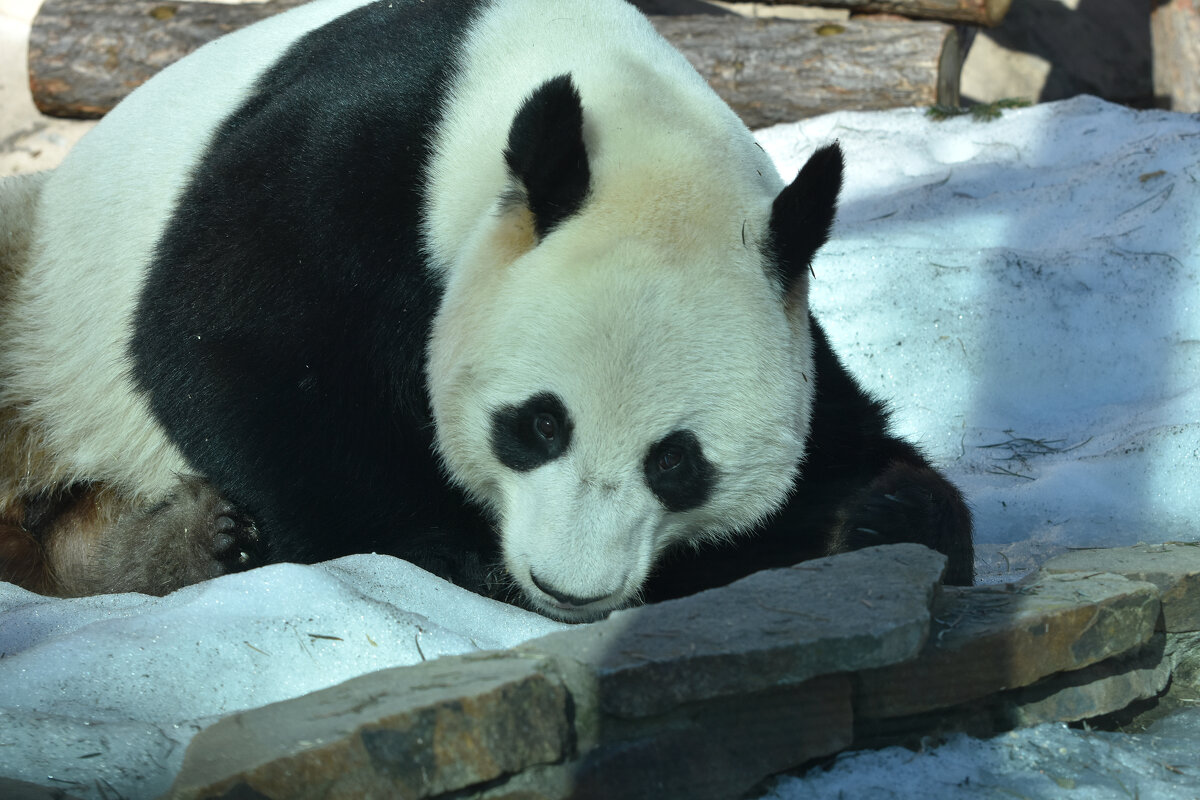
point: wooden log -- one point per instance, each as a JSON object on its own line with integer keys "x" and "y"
{"x": 85, "y": 55}
{"x": 1175, "y": 40}
{"x": 974, "y": 12}
{"x": 774, "y": 70}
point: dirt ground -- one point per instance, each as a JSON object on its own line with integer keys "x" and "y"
{"x": 1044, "y": 50}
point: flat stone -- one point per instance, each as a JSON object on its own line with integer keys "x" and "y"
{"x": 406, "y": 732}
{"x": 840, "y": 614}
{"x": 1093, "y": 691}
{"x": 987, "y": 639}
{"x": 723, "y": 748}
{"x": 1184, "y": 652}
{"x": 1173, "y": 567}
{"x": 717, "y": 750}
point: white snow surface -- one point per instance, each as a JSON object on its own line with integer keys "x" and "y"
{"x": 1026, "y": 293}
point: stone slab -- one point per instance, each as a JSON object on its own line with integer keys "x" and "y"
{"x": 1184, "y": 652}
{"x": 1173, "y": 567}
{"x": 848, "y": 612}
{"x": 715, "y": 751}
{"x": 987, "y": 639}
{"x": 723, "y": 748}
{"x": 1092, "y": 691}
{"x": 407, "y": 732}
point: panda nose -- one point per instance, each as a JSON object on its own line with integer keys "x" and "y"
{"x": 565, "y": 598}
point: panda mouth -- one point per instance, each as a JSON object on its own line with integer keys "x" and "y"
{"x": 573, "y": 608}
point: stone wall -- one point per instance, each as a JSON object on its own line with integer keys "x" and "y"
{"x": 706, "y": 696}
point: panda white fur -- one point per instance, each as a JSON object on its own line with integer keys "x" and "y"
{"x": 473, "y": 282}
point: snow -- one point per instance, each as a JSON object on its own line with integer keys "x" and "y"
{"x": 103, "y": 693}
{"x": 1026, "y": 292}
{"x": 1049, "y": 761}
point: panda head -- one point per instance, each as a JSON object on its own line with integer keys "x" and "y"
{"x": 621, "y": 362}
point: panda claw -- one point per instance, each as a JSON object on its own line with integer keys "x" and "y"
{"x": 900, "y": 499}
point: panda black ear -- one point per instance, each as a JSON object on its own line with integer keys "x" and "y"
{"x": 546, "y": 153}
{"x": 802, "y": 215}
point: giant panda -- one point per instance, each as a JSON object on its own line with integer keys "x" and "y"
{"x": 497, "y": 286}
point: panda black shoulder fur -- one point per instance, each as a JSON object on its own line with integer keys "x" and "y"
{"x": 302, "y": 277}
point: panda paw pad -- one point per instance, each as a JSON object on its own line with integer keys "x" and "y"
{"x": 235, "y": 541}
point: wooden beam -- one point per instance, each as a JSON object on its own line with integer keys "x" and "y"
{"x": 85, "y": 55}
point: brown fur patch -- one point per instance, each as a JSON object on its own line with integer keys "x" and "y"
{"x": 48, "y": 544}
{"x": 79, "y": 522}
{"x": 23, "y": 561}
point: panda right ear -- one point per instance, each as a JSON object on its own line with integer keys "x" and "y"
{"x": 802, "y": 215}
{"x": 546, "y": 154}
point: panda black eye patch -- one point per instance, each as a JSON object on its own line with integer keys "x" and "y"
{"x": 678, "y": 473}
{"x": 528, "y": 435}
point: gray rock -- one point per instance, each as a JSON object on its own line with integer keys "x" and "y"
{"x": 406, "y": 732}
{"x": 988, "y": 639}
{"x": 715, "y": 751}
{"x": 1173, "y": 567}
{"x": 852, "y": 611}
{"x": 1093, "y": 691}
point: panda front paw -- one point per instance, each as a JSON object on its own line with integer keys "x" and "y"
{"x": 910, "y": 504}
{"x": 878, "y": 517}
{"x": 192, "y": 535}
{"x": 231, "y": 539}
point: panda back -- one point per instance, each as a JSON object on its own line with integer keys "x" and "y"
{"x": 280, "y": 331}
{"x": 100, "y": 216}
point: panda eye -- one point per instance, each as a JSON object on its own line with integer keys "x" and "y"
{"x": 546, "y": 426}
{"x": 678, "y": 473}
{"x": 528, "y": 435}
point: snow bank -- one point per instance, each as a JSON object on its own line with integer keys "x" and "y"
{"x": 102, "y": 694}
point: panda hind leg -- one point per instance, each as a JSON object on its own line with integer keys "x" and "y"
{"x": 97, "y": 542}
{"x": 910, "y": 502}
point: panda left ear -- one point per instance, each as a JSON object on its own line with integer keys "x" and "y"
{"x": 802, "y": 215}
{"x": 546, "y": 154}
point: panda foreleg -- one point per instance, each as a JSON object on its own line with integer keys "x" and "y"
{"x": 909, "y": 502}
{"x": 191, "y": 535}
{"x": 96, "y": 541}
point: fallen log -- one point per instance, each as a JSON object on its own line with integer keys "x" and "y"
{"x": 974, "y": 12}
{"x": 85, "y": 55}
{"x": 1175, "y": 40}
{"x": 774, "y": 70}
